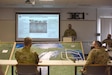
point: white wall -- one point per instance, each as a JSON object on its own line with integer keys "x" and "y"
{"x": 90, "y": 13}
{"x": 86, "y": 29}
{"x": 7, "y": 24}
{"x": 7, "y": 19}
{"x": 104, "y": 12}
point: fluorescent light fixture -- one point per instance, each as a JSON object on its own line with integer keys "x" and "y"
{"x": 46, "y": 0}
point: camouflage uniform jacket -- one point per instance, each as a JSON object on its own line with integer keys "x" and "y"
{"x": 97, "y": 56}
{"x": 108, "y": 42}
{"x": 25, "y": 55}
{"x": 70, "y": 32}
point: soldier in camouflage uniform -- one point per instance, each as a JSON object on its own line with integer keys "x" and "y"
{"x": 108, "y": 41}
{"x": 25, "y": 55}
{"x": 70, "y": 32}
{"x": 97, "y": 55}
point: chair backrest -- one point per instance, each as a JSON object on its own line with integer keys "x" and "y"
{"x": 27, "y": 69}
{"x": 97, "y": 69}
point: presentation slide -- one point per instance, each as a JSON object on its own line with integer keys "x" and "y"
{"x": 40, "y": 27}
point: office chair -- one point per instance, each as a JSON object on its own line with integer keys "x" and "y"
{"x": 97, "y": 69}
{"x": 27, "y": 69}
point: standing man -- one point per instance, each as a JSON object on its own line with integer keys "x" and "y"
{"x": 70, "y": 32}
{"x": 108, "y": 41}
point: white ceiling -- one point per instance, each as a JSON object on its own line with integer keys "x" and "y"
{"x": 56, "y": 3}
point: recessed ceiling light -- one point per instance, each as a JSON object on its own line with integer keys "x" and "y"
{"x": 46, "y": 0}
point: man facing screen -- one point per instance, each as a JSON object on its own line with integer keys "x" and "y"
{"x": 26, "y": 55}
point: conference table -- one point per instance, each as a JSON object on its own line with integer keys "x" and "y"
{"x": 46, "y": 63}
{"x": 49, "y": 63}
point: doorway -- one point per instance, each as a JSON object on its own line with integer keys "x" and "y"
{"x": 106, "y": 27}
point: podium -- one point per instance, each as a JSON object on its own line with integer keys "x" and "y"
{"x": 67, "y": 39}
